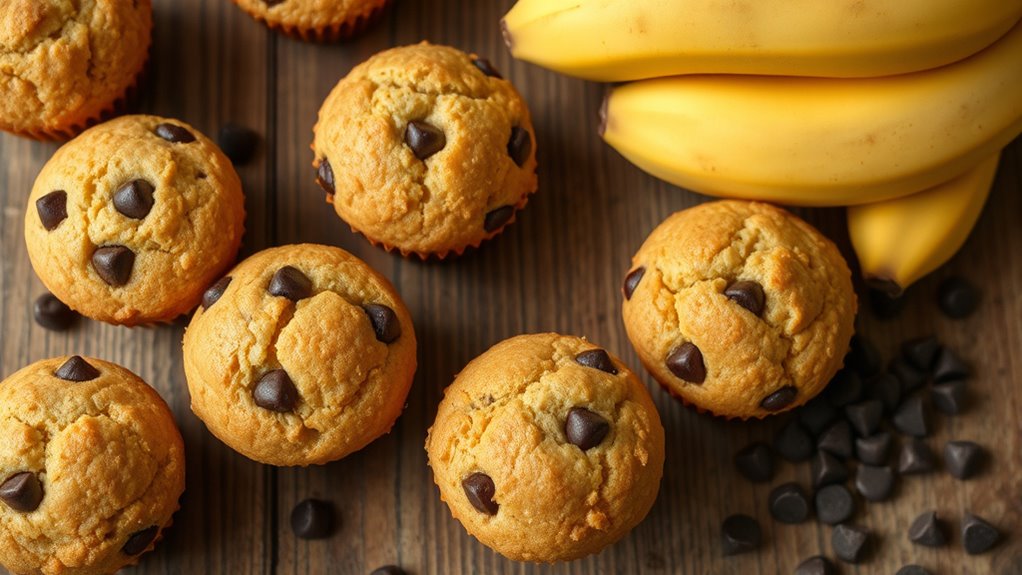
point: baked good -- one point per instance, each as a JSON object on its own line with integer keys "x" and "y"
{"x": 132, "y": 220}
{"x": 739, "y": 308}
{"x": 547, "y": 448}
{"x": 301, "y": 355}
{"x": 92, "y": 466}
{"x": 65, "y": 65}
{"x": 425, "y": 149}
{"x": 315, "y": 20}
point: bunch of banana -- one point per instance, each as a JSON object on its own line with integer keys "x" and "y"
{"x": 903, "y": 104}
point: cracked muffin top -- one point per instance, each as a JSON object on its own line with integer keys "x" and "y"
{"x": 301, "y": 355}
{"x": 64, "y": 63}
{"x": 92, "y": 466}
{"x": 547, "y": 448}
{"x": 425, "y": 149}
{"x": 739, "y": 308}
{"x": 132, "y": 220}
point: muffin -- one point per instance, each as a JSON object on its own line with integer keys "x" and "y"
{"x": 315, "y": 20}
{"x": 92, "y": 466}
{"x": 547, "y": 448}
{"x": 65, "y": 65}
{"x": 739, "y": 308}
{"x": 425, "y": 149}
{"x": 131, "y": 221}
{"x": 301, "y": 355}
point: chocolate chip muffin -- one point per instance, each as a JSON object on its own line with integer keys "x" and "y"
{"x": 65, "y": 64}
{"x": 92, "y": 466}
{"x": 739, "y": 308}
{"x": 300, "y": 355}
{"x": 132, "y": 220}
{"x": 425, "y": 149}
{"x": 547, "y": 448}
{"x": 315, "y": 20}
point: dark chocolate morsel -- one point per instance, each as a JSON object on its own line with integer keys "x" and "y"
{"x": 686, "y": 362}
{"x": 174, "y": 133}
{"x": 479, "y": 489}
{"x": 276, "y": 392}
{"x": 140, "y": 540}
{"x": 385, "y": 322}
{"x": 52, "y": 209}
{"x": 22, "y": 492}
{"x": 585, "y": 428}
{"x": 497, "y": 218}
{"x": 76, "y": 369}
{"x": 312, "y": 519}
{"x": 740, "y": 534}
{"x": 291, "y": 283}
{"x": 215, "y": 292}
{"x": 632, "y": 281}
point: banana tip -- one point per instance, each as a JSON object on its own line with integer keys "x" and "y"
{"x": 508, "y": 40}
{"x": 603, "y": 112}
{"x": 885, "y": 285}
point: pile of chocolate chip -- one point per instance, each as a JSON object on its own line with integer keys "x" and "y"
{"x": 848, "y": 436}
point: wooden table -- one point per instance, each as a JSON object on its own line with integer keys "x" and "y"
{"x": 559, "y": 268}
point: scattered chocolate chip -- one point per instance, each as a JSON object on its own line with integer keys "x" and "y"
{"x": 817, "y": 415}
{"x": 844, "y": 388}
{"x": 851, "y": 544}
{"x": 779, "y": 399}
{"x": 215, "y": 292}
{"x": 52, "y": 209}
{"x": 479, "y": 489}
{"x": 887, "y": 389}
{"x": 388, "y": 570}
{"x": 632, "y": 281}
{"x": 908, "y": 376}
{"x": 237, "y": 142}
{"x": 949, "y": 397}
{"x": 837, "y": 440}
{"x": 289, "y": 282}
{"x": 424, "y": 139}
{"x": 883, "y": 305}
{"x": 793, "y": 443}
{"x": 53, "y": 314}
{"x": 22, "y": 492}
{"x": 686, "y": 362}
{"x": 921, "y": 352}
{"x": 596, "y": 359}
{"x": 963, "y": 459}
{"x": 312, "y": 519}
{"x": 747, "y": 294}
{"x": 915, "y": 458}
{"x": 875, "y": 449}
{"x": 275, "y": 391}
{"x": 174, "y": 133}
{"x": 927, "y": 530}
{"x": 135, "y": 199}
{"x": 140, "y": 540}
{"x": 76, "y": 369}
{"x": 585, "y": 428}
{"x": 826, "y": 469}
{"x": 325, "y": 176}
{"x": 486, "y": 67}
{"x": 114, "y": 264}
{"x": 788, "y": 503}
{"x": 978, "y": 536}
{"x": 497, "y": 218}
{"x": 519, "y": 146}
{"x": 911, "y": 418}
{"x": 834, "y": 504}
{"x": 950, "y": 367}
{"x": 818, "y": 565}
{"x": 385, "y": 322}
{"x": 863, "y": 357}
{"x": 875, "y": 483}
{"x": 865, "y": 416}
{"x": 912, "y": 570}
{"x": 957, "y": 297}
{"x": 755, "y": 463}
{"x": 740, "y": 534}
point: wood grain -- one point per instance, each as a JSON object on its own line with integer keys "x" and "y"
{"x": 559, "y": 268}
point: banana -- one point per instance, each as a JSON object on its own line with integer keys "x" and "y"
{"x": 619, "y": 40}
{"x": 902, "y": 240}
{"x": 820, "y": 141}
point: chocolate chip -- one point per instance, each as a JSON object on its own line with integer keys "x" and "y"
{"x": 686, "y": 362}
{"x": 486, "y": 67}
{"x": 779, "y": 399}
{"x": 290, "y": 283}
{"x": 385, "y": 322}
{"x": 272, "y": 3}
{"x": 950, "y": 367}
{"x": 275, "y": 391}
{"x": 817, "y": 565}
{"x": 834, "y": 504}
{"x": 887, "y": 389}
{"x": 911, "y": 418}
{"x": 957, "y": 297}
{"x": 883, "y": 305}
{"x": 817, "y": 415}
{"x": 978, "y": 536}
{"x": 215, "y": 292}
{"x": 875, "y": 483}
{"x": 174, "y": 133}
{"x": 912, "y": 570}
{"x": 519, "y": 146}
{"x": 596, "y": 359}
{"x": 479, "y": 489}
{"x": 22, "y": 492}
{"x": 865, "y": 416}
{"x": 908, "y": 376}
{"x": 837, "y": 440}
{"x": 53, "y": 314}
{"x": 963, "y": 459}
{"x": 740, "y": 534}
{"x": 915, "y": 458}
{"x": 747, "y": 294}
{"x": 632, "y": 281}
{"x": 827, "y": 470}
{"x": 134, "y": 199}
{"x": 949, "y": 398}
{"x": 237, "y": 142}
{"x": 793, "y": 443}
{"x": 496, "y": 219}
{"x": 844, "y": 388}
{"x": 851, "y": 544}
{"x": 921, "y": 352}
{"x": 114, "y": 264}
{"x": 424, "y": 139}
{"x": 140, "y": 540}
{"x": 755, "y": 463}
{"x": 927, "y": 530}
{"x": 388, "y": 570}
{"x": 76, "y": 369}
{"x": 325, "y": 176}
{"x": 875, "y": 449}
{"x": 788, "y": 503}
{"x": 52, "y": 209}
{"x": 585, "y": 428}
{"x": 312, "y": 519}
